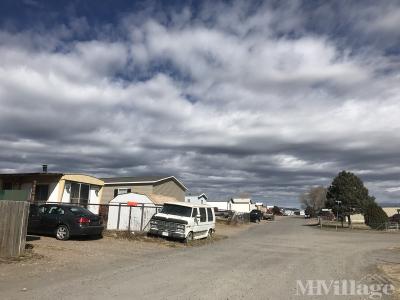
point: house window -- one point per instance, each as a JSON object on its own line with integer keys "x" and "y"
{"x": 84, "y": 197}
{"x": 41, "y": 192}
{"x": 7, "y": 186}
{"x": 80, "y": 193}
{"x": 75, "y": 190}
{"x": 121, "y": 191}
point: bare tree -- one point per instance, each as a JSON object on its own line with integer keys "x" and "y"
{"x": 314, "y": 198}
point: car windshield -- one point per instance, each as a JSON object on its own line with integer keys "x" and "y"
{"x": 79, "y": 211}
{"x": 177, "y": 210}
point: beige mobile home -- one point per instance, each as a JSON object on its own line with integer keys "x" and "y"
{"x": 56, "y": 187}
{"x": 155, "y": 185}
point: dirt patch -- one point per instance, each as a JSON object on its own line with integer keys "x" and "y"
{"x": 225, "y": 229}
{"x": 392, "y": 271}
{"x": 47, "y": 255}
{"x": 29, "y": 256}
{"x": 117, "y": 268}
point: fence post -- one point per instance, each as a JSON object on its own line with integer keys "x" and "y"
{"x": 129, "y": 221}
{"x": 141, "y": 220}
{"x": 13, "y": 227}
{"x": 119, "y": 214}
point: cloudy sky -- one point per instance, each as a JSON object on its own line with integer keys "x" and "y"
{"x": 267, "y": 98}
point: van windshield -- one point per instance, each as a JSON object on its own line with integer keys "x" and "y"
{"x": 177, "y": 210}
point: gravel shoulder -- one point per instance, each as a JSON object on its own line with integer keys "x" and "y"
{"x": 47, "y": 256}
{"x": 260, "y": 261}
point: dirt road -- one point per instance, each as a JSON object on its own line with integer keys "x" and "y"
{"x": 263, "y": 262}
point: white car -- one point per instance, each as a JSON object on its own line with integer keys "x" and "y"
{"x": 184, "y": 221}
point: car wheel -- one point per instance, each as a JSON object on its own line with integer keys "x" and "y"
{"x": 62, "y": 233}
{"x": 210, "y": 234}
{"x": 189, "y": 237}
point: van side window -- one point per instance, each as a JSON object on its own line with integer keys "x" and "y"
{"x": 194, "y": 212}
{"x": 210, "y": 215}
{"x": 203, "y": 216}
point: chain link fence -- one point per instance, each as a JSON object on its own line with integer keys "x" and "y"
{"x": 232, "y": 217}
{"x": 329, "y": 223}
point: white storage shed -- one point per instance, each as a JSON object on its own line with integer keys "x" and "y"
{"x": 131, "y": 211}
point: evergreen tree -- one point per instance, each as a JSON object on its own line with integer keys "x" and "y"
{"x": 375, "y": 217}
{"x": 354, "y": 198}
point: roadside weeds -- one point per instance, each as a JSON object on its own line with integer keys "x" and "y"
{"x": 144, "y": 237}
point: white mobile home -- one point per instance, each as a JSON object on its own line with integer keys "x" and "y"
{"x": 200, "y": 199}
{"x": 241, "y": 205}
{"x": 219, "y": 205}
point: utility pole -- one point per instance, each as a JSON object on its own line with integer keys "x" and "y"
{"x": 337, "y": 213}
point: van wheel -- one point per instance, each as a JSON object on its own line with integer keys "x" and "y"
{"x": 210, "y": 234}
{"x": 189, "y": 238}
{"x": 62, "y": 233}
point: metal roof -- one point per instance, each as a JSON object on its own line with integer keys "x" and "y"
{"x": 241, "y": 200}
{"x": 30, "y": 174}
{"x": 188, "y": 204}
{"x": 134, "y": 179}
{"x": 42, "y": 174}
{"x": 141, "y": 179}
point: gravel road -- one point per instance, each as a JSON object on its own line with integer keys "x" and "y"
{"x": 263, "y": 262}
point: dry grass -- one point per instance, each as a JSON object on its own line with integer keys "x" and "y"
{"x": 172, "y": 243}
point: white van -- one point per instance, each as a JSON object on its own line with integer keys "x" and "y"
{"x": 185, "y": 221}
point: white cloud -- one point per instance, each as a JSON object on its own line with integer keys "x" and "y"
{"x": 228, "y": 105}
{"x": 393, "y": 189}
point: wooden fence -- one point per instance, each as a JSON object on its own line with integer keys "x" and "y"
{"x": 13, "y": 227}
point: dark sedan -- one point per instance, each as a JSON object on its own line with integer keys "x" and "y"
{"x": 63, "y": 221}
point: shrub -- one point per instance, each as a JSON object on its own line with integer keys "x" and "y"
{"x": 375, "y": 217}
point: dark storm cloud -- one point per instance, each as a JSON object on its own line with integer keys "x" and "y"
{"x": 266, "y": 98}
